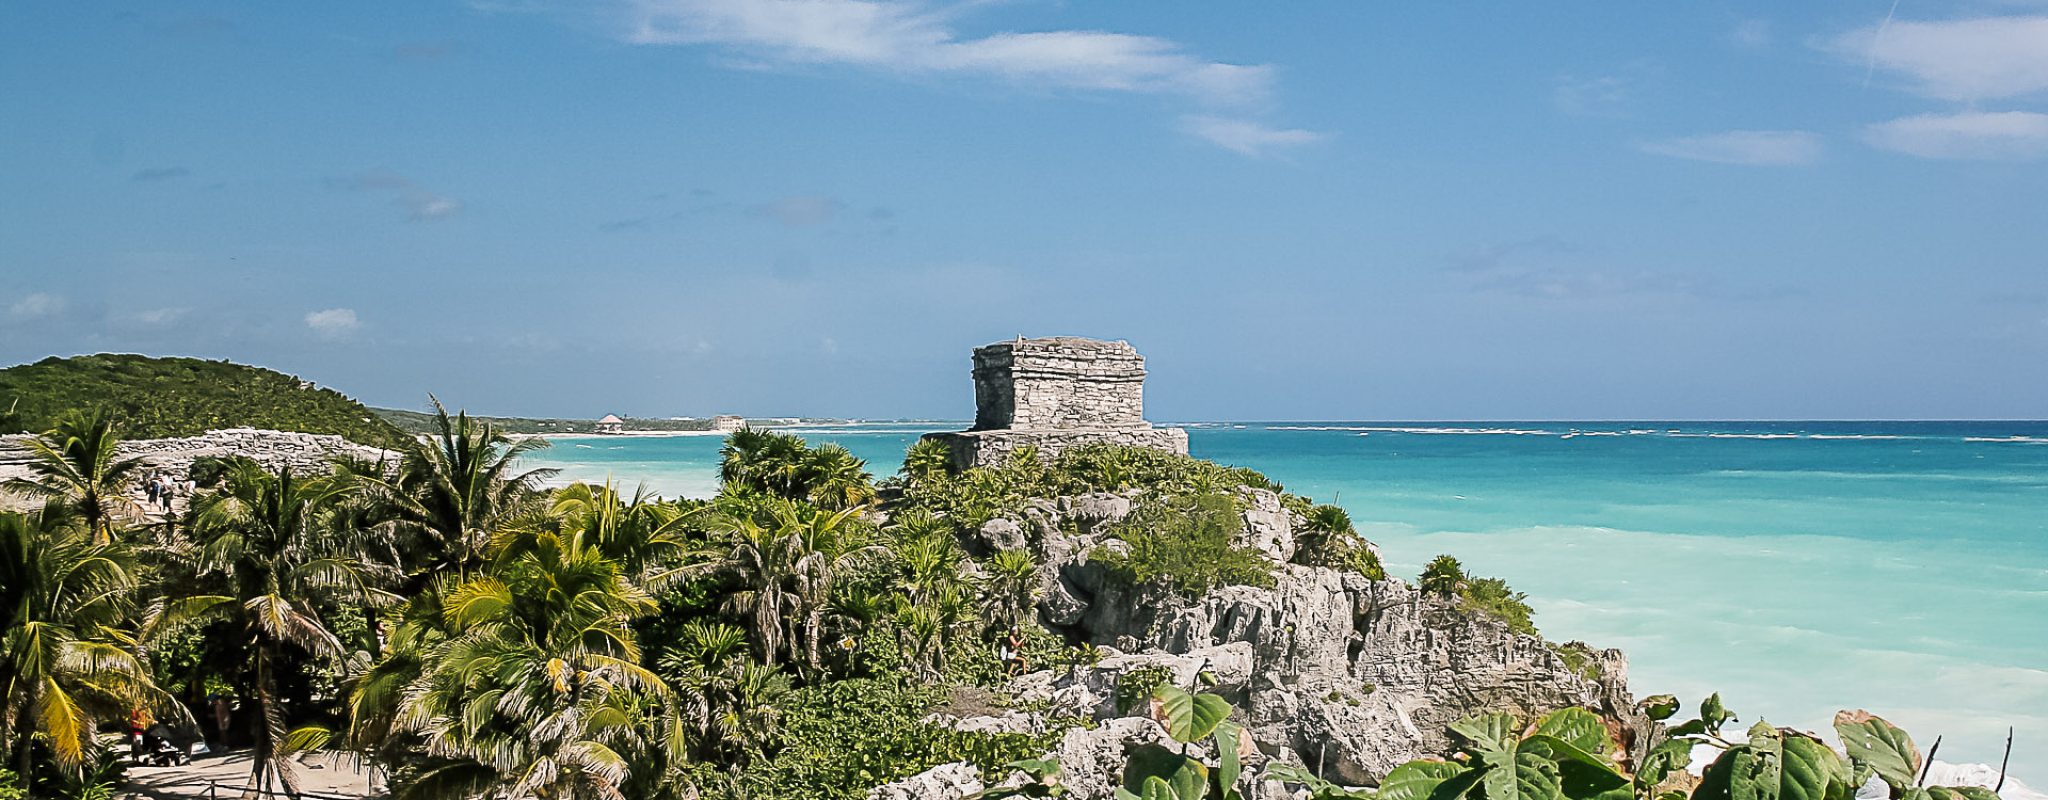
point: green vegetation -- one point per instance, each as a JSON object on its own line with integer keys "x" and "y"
{"x": 472, "y": 634}
{"x": 1329, "y": 540}
{"x": 160, "y": 397}
{"x": 1185, "y": 543}
{"x": 1444, "y": 576}
{"x": 1572, "y": 754}
{"x": 75, "y": 466}
{"x": 839, "y": 739}
{"x": 1160, "y": 773}
{"x": 968, "y": 499}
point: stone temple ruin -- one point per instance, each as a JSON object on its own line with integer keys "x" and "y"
{"x": 1053, "y": 394}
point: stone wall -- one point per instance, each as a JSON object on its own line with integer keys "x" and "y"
{"x": 1061, "y": 382}
{"x": 305, "y": 453}
{"x": 1053, "y": 394}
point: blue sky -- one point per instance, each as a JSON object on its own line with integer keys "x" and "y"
{"x": 1298, "y": 210}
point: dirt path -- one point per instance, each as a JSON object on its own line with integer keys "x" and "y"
{"x": 223, "y": 777}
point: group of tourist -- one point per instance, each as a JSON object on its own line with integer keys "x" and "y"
{"x": 160, "y": 487}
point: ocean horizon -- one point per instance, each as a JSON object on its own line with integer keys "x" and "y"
{"x": 1795, "y": 567}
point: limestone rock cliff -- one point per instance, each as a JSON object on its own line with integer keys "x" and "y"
{"x": 1343, "y": 674}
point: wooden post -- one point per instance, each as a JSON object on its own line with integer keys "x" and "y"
{"x": 1930, "y": 761}
{"x": 2004, "y": 761}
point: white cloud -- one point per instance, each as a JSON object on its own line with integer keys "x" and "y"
{"x": 333, "y": 323}
{"x": 161, "y": 316}
{"x": 36, "y": 305}
{"x": 1751, "y": 33}
{"x": 906, "y": 37}
{"x": 1965, "y": 135}
{"x": 424, "y": 205}
{"x": 419, "y": 204}
{"x": 1962, "y": 59}
{"x": 1247, "y": 137}
{"x": 1749, "y": 148}
{"x": 903, "y": 36}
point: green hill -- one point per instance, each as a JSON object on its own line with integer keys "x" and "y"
{"x": 158, "y": 397}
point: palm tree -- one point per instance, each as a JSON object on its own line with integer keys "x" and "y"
{"x": 1012, "y": 587}
{"x": 78, "y": 462}
{"x": 788, "y": 557}
{"x": 927, "y": 461}
{"x": 267, "y": 543}
{"x": 767, "y": 563}
{"x": 927, "y": 629}
{"x": 832, "y": 542}
{"x": 778, "y": 464}
{"x": 66, "y": 664}
{"x": 652, "y": 541}
{"x": 1443, "y": 576}
{"x": 935, "y": 602}
{"x": 833, "y": 478}
{"x": 452, "y": 489}
{"x": 731, "y": 703}
{"x": 762, "y": 461}
{"x": 540, "y": 685}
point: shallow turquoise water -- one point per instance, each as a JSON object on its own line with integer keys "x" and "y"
{"x": 1797, "y": 568}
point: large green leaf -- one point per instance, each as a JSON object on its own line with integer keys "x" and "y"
{"x": 1658, "y": 707}
{"x": 1228, "y": 739}
{"x": 1669, "y": 756}
{"x": 1427, "y": 780}
{"x": 1881, "y": 746}
{"x": 1188, "y": 716}
{"x": 1776, "y": 765}
{"x": 1529, "y": 776}
{"x": 1578, "y": 728}
{"x": 1156, "y": 788}
{"x": 1715, "y": 714}
{"x": 1488, "y": 732}
{"x": 1960, "y": 793}
{"x": 1187, "y": 778}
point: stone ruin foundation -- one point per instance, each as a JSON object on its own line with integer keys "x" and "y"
{"x": 1053, "y": 394}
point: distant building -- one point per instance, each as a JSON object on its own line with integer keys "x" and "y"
{"x": 727, "y": 423}
{"x": 611, "y": 424}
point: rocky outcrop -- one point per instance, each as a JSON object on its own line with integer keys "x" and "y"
{"x": 272, "y": 449}
{"x": 1330, "y": 669}
{"x": 953, "y": 781}
{"x": 303, "y": 452}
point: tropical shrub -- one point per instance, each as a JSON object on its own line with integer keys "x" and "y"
{"x": 978, "y": 495}
{"x": 1137, "y": 686}
{"x": 1185, "y": 543}
{"x": 842, "y": 738}
{"x": 1571, "y": 754}
{"x": 1328, "y": 539}
{"x": 1444, "y": 576}
{"x": 1160, "y": 773}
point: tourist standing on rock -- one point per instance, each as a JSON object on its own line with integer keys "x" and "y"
{"x": 1011, "y": 650}
{"x": 150, "y": 487}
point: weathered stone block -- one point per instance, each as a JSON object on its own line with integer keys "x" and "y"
{"x": 1053, "y": 394}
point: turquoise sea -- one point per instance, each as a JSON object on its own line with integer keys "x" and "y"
{"x": 1796, "y": 567}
